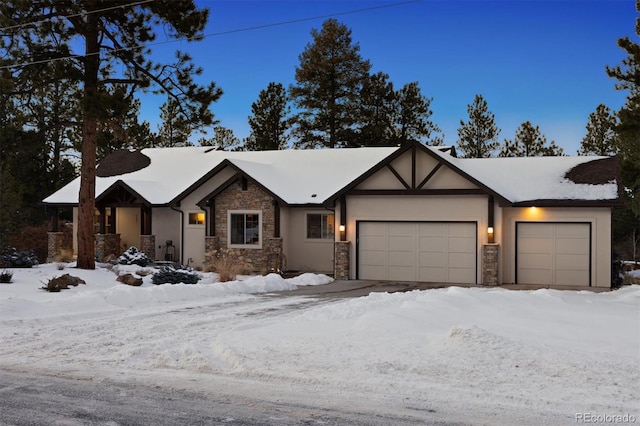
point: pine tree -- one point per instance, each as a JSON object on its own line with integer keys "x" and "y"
{"x": 377, "y": 106}
{"x": 412, "y": 116}
{"x": 175, "y": 129}
{"x": 478, "y": 137}
{"x": 270, "y": 120}
{"x": 223, "y": 139}
{"x": 628, "y": 127}
{"x": 328, "y": 83}
{"x": 104, "y": 34}
{"x": 529, "y": 142}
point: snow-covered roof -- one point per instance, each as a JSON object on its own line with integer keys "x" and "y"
{"x": 524, "y": 179}
{"x": 293, "y": 175}
{"x": 312, "y": 176}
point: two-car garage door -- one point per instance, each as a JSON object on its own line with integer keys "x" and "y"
{"x": 417, "y": 251}
{"x": 553, "y": 253}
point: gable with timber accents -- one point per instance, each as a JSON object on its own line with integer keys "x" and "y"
{"x": 415, "y": 170}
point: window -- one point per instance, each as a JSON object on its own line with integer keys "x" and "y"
{"x": 320, "y": 226}
{"x": 244, "y": 228}
{"x": 196, "y": 218}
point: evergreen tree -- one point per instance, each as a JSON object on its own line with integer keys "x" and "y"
{"x": 601, "y": 137}
{"x": 478, "y": 137}
{"x": 104, "y": 32}
{"x": 377, "y": 110}
{"x": 412, "y": 117}
{"x": 270, "y": 120}
{"x": 175, "y": 129}
{"x": 628, "y": 127}
{"x": 223, "y": 139}
{"x": 529, "y": 142}
{"x": 328, "y": 84}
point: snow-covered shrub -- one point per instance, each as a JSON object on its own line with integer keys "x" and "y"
{"x": 171, "y": 275}
{"x": 133, "y": 256}
{"x": 227, "y": 263}
{"x": 6, "y": 276}
{"x": 22, "y": 259}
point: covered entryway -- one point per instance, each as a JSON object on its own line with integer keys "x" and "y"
{"x": 417, "y": 251}
{"x": 553, "y": 253}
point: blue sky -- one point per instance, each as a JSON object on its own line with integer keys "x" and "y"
{"x": 533, "y": 60}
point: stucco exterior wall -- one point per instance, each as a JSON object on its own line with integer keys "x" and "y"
{"x": 473, "y": 208}
{"x": 599, "y": 217}
{"x": 128, "y": 226}
{"x": 165, "y": 225}
{"x": 303, "y": 254}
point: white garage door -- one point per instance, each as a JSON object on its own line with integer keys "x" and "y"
{"x": 417, "y": 251}
{"x": 553, "y": 253}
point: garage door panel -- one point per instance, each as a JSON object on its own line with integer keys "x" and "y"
{"x": 575, "y": 245}
{"x": 373, "y": 242}
{"x": 554, "y": 253}
{"x": 572, "y": 261}
{"x": 431, "y": 244}
{"x": 540, "y": 230}
{"x": 410, "y": 251}
{"x": 371, "y": 257}
{"x": 459, "y": 275}
{"x": 432, "y": 259}
{"x": 535, "y": 245}
{"x": 534, "y": 276}
{"x": 573, "y": 230}
{"x": 432, "y": 229}
{"x": 436, "y": 274}
{"x": 401, "y": 258}
{"x": 400, "y": 273}
{"x": 401, "y": 243}
{"x": 535, "y": 260}
{"x": 461, "y": 260}
{"x": 462, "y": 245}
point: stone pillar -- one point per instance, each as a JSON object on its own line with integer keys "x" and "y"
{"x": 275, "y": 260}
{"x": 148, "y": 246}
{"x": 107, "y": 247}
{"x": 490, "y": 256}
{"x": 342, "y": 261}
{"x": 54, "y": 245}
{"x": 211, "y": 245}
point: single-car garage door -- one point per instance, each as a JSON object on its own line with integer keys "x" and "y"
{"x": 553, "y": 253}
{"x": 417, "y": 251}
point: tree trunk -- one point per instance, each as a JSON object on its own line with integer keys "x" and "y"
{"x": 86, "y": 199}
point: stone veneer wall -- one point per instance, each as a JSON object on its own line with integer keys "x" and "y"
{"x": 54, "y": 245}
{"x": 342, "y": 260}
{"x": 253, "y": 198}
{"x": 107, "y": 246}
{"x": 490, "y": 258}
{"x": 148, "y": 246}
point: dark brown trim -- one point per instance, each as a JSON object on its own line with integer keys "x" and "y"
{"x": 145, "y": 220}
{"x": 276, "y": 219}
{"x": 419, "y": 148}
{"x": 102, "y": 220}
{"x": 55, "y": 212}
{"x": 397, "y": 175}
{"x": 343, "y": 218}
{"x": 112, "y": 220}
{"x": 430, "y": 175}
{"x": 569, "y": 203}
{"x": 491, "y": 211}
{"x": 464, "y": 191}
{"x": 226, "y": 184}
{"x": 413, "y": 166}
{"x": 212, "y": 217}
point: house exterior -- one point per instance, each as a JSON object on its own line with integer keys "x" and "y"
{"x": 408, "y": 213}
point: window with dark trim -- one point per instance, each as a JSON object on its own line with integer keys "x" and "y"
{"x": 244, "y": 228}
{"x": 196, "y": 218}
{"x": 320, "y": 226}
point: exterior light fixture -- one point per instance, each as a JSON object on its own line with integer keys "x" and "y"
{"x": 490, "y": 234}
{"x": 342, "y": 228}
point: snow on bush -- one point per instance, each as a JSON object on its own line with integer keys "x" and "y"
{"x": 133, "y": 256}
{"x": 171, "y": 275}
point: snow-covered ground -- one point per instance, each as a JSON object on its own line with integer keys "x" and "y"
{"x": 469, "y": 355}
